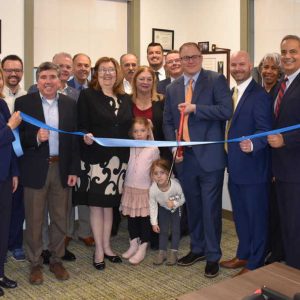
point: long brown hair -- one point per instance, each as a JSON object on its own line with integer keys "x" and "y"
{"x": 154, "y": 95}
{"x": 118, "y": 85}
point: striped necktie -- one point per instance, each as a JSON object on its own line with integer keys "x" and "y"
{"x": 279, "y": 96}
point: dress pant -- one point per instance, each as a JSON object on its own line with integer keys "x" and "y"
{"x": 36, "y": 201}
{"x": 203, "y": 193}
{"x": 288, "y": 197}
{"x": 15, "y": 240}
{"x": 250, "y": 214}
{"x": 5, "y": 212}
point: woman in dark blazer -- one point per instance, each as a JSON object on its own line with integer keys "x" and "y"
{"x": 104, "y": 110}
{"x": 8, "y": 180}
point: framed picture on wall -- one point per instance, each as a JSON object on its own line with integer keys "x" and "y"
{"x": 217, "y": 61}
{"x": 165, "y": 37}
{"x": 204, "y": 46}
{"x": 0, "y": 36}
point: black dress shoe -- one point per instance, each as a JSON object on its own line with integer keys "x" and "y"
{"x": 1, "y": 292}
{"x": 211, "y": 269}
{"x": 99, "y": 265}
{"x": 8, "y": 283}
{"x": 46, "y": 257}
{"x": 113, "y": 258}
{"x": 190, "y": 259}
{"x": 69, "y": 256}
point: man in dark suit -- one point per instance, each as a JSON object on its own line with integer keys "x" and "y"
{"x": 81, "y": 71}
{"x": 248, "y": 165}
{"x": 203, "y": 166}
{"x": 286, "y": 149}
{"x": 8, "y": 181}
{"x": 49, "y": 166}
{"x": 155, "y": 57}
{"x": 173, "y": 68}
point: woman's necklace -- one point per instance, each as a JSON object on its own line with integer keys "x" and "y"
{"x": 143, "y": 104}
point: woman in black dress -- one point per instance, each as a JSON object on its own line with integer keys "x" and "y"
{"x": 104, "y": 110}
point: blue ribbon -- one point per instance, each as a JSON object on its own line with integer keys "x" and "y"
{"x": 17, "y": 143}
{"x": 108, "y": 142}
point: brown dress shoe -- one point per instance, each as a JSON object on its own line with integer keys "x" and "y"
{"x": 59, "y": 271}
{"x": 88, "y": 241}
{"x": 243, "y": 271}
{"x": 68, "y": 239}
{"x": 233, "y": 263}
{"x": 36, "y": 275}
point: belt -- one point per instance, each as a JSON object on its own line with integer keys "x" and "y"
{"x": 53, "y": 159}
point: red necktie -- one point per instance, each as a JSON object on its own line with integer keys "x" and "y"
{"x": 280, "y": 95}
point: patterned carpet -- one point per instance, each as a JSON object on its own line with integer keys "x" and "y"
{"x": 122, "y": 281}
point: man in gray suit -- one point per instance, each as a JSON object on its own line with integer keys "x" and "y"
{"x": 205, "y": 99}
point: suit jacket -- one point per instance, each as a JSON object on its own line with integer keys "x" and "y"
{"x": 286, "y": 160}
{"x": 253, "y": 114}
{"x": 34, "y": 163}
{"x": 162, "y": 86}
{"x": 71, "y": 83}
{"x": 8, "y": 160}
{"x": 70, "y": 92}
{"x": 213, "y": 107}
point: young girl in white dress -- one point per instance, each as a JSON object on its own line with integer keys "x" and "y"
{"x": 135, "y": 197}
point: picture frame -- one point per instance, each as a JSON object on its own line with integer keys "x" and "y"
{"x": 204, "y": 46}
{"x": 217, "y": 61}
{"x": 165, "y": 37}
{"x": 0, "y": 36}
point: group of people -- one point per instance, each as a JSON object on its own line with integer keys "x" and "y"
{"x": 173, "y": 98}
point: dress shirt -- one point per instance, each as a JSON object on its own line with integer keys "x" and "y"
{"x": 291, "y": 78}
{"x": 79, "y": 86}
{"x": 187, "y": 80}
{"x": 50, "y": 108}
{"x": 161, "y": 73}
{"x": 127, "y": 86}
{"x": 10, "y": 97}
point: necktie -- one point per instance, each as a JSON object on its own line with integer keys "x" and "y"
{"x": 280, "y": 95}
{"x": 188, "y": 99}
{"x": 234, "y": 103}
{"x": 157, "y": 75}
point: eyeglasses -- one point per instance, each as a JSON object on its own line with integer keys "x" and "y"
{"x": 192, "y": 58}
{"x": 107, "y": 71}
{"x": 13, "y": 71}
{"x": 173, "y": 61}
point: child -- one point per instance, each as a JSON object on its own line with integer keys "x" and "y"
{"x": 166, "y": 199}
{"x": 135, "y": 198}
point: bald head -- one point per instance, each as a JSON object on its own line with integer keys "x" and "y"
{"x": 240, "y": 66}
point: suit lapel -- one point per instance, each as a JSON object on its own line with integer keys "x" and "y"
{"x": 202, "y": 83}
{"x": 38, "y": 107}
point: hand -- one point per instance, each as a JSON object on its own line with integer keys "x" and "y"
{"x": 15, "y": 182}
{"x": 170, "y": 204}
{"x": 72, "y": 179}
{"x": 246, "y": 146}
{"x": 15, "y": 120}
{"x": 187, "y": 108}
{"x": 155, "y": 228}
{"x": 87, "y": 138}
{"x": 43, "y": 135}
{"x": 178, "y": 159}
{"x": 276, "y": 140}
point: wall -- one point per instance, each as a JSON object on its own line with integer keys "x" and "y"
{"x": 215, "y": 21}
{"x": 271, "y": 24}
{"x": 95, "y": 27}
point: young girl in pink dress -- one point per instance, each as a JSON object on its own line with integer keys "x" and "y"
{"x": 135, "y": 196}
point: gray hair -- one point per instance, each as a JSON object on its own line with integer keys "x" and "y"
{"x": 275, "y": 57}
{"x": 45, "y": 66}
{"x": 65, "y": 54}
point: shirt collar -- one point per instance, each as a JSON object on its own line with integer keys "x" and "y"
{"x": 293, "y": 76}
{"x": 187, "y": 78}
{"x": 45, "y": 100}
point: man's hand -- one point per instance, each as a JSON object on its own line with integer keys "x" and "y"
{"x": 43, "y": 135}
{"x": 246, "y": 146}
{"x": 15, "y": 182}
{"x": 72, "y": 179}
{"x": 276, "y": 140}
{"x": 87, "y": 138}
{"x": 170, "y": 204}
{"x": 15, "y": 120}
{"x": 155, "y": 228}
{"x": 187, "y": 108}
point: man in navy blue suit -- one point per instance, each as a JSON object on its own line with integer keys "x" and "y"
{"x": 248, "y": 165}
{"x": 8, "y": 181}
{"x": 286, "y": 151}
{"x": 203, "y": 165}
